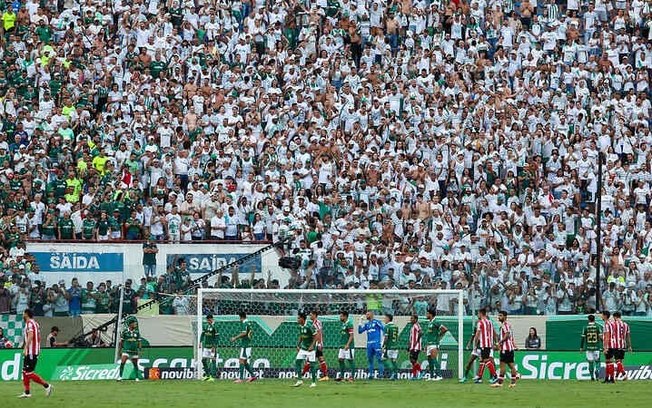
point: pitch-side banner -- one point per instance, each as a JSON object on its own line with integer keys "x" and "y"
{"x": 97, "y": 364}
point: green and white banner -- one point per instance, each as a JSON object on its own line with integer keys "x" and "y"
{"x": 273, "y": 362}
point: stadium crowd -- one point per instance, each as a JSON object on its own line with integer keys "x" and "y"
{"x": 391, "y": 144}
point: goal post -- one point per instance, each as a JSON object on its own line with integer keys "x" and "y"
{"x": 272, "y": 316}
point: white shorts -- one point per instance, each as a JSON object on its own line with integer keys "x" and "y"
{"x": 306, "y": 355}
{"x": 392, "y": 354}
{"x": 102, "y": 237}
{"x": 345, "y": 354}
{"x": 478, "y": 353}
{"x": 130, "y": 356}
{"x": 245, "y": 353}
{"x": 207, "y": 352}
{"x": 593, "y": 355}
{"x": 430, "y": 348}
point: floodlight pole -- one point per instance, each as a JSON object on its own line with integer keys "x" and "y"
{"x": 598, "y": 216}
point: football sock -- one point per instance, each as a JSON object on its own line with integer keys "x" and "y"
{"x": 249, "y": 369}
{"x": 501, "y": 379}
{"x": 242, "y": 371}
{"x": 122, "y": 369}
{"x": 592, "y": 368}
{"x": 306, "y": 368}
{"x": 313, "y": 371}
{"x": 205, "y": 365}
{"x": 435, "y": 364}
{"x": 492, "y": 368}
{"x": 342, "y": 368}
{"x": 620, "y": 367}
{"x": 26, "y": 382}
{"x": 381, "y": 368}
{"x": 467, "y": 369}
{"x": 431, "y": 367}
{"x": 514, "y": 376}
{"x": 481, "y": 369}
{"x": 324, "y": 368}
{"x": 37, "y": 379}
{"x": 352, "y": 367}
{"x": 609, "y": 371}
{"x": 298, "y": 365}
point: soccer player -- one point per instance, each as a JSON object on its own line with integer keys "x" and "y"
{"x": 390, "y": 345}
{"x": 591, "y": 341}
{"x": 485, "y": 337}
{"x": 245, "y": 336}
{"x": 620, "y": 341}
{"x": 434, "y": 333}
{"x": 319, "y": 352}
{"x": 475, "y": 354}
{"x": 209, "y": 346}
{"x": 347, "y": 346}
{"x": 31, "y": 350}
{"x": 414, "y": 347}
{"x": 374, "y": 329}
{"x": 507, "y": 347}
{"x": 130, "y": 344}
{"x": 609, "y": 370}
{"x": 306, "y": 349}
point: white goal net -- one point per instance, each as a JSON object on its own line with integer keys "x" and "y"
{"x": 266, "y": 323}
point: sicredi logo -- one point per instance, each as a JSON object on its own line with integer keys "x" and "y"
{"x": 11, "y": 369}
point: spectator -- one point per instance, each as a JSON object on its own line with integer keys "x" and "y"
{"x": 95, "y": 339}
{"x": 532, "y": 341}
{"x": 414, "y": 129}
{"x": 74, "y": 297}
{"x": 149, "y": 257}
{"x": 4, "y": 342}
{"x": 51, "y": 340}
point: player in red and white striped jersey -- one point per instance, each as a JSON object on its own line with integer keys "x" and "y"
{"x": 319, "y": 352}
{"x": 620, "y": 341}
{"x": 31, "y": 350}
{"x": 485, "y": 337}
{"x": 507, "y": 347}
{"x": 414, "y": 346}
{"x": 609, "y": 351}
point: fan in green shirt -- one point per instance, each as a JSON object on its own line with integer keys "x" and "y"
{"x": 209, "y": 345}
{"x": 245, "y": 336}
{"x": 88, "y": 299}
{"x": 347, "y": 344}
{"x": 390, "y": 345}
{"x": 102, "y": 300}
{"x": 66, "y": 227}
{"x": 88, "y": 228}
{"x": 157, "y": 66}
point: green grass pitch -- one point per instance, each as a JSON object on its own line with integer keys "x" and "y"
{"x": 378, "y": 394}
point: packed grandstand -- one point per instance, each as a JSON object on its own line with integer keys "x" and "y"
{"x": 399, "y": 144}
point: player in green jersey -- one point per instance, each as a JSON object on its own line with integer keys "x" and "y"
{"x": 592, "y": 343}
{"x": 245, "y": 336}
{"x": 130, "y": 345}
{"x": 347, "y": 346}
{"x": 209, "y": 346}
{"x": 390, "y": 346}
{"x": 434, "y": 333}
{"x": 306, "y": 349}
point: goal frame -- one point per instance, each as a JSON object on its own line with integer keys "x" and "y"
{"x": 457, "y": 292}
